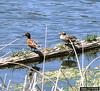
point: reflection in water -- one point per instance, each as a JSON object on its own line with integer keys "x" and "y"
{"x": 69, "y": 63}
{"x": 32, "y": 71}
{"x": 31, "y": 76}
{"x": 92, "y": 53}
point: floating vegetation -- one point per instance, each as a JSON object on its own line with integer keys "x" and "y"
{"x": 91, "y": 38}
{"x": 67, "y": 77}
{"x": 92, "y": 78}
{"x": 70, "y": 73}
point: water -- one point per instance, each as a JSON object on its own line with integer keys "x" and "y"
{"x": 78, "y": 18}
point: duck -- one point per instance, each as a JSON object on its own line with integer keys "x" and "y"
{"x": 31, "y": 43}
{"x": 67, "y": 38}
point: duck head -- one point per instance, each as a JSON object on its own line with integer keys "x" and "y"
{"x": 62, "y": 33}
{"x": 28, "y": 35}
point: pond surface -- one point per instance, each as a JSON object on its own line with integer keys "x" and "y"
{"x": 75, "y": 17}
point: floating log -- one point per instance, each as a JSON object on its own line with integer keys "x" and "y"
{"x": 58, "y": 51}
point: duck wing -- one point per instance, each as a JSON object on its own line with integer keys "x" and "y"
{"x": 73, "y": 37}
{"x": 32, "y": 43}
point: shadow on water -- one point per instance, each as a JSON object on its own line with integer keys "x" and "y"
{"x": 32, "y": 71}
{"x": 69, "y": 63}
{"x": 91, "y": 54}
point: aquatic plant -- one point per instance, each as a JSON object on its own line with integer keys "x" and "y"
{"x": 91, "y": 37}
{"x": 93, "y": 79}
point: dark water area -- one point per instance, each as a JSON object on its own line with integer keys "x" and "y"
{"x": 75, "y": 17}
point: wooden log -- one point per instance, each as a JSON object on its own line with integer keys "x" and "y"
{"x": 55, "y": 53}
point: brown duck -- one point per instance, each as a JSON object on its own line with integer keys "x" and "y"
{"x": 67, "y": 38}
{"x": 31, "y": 43}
